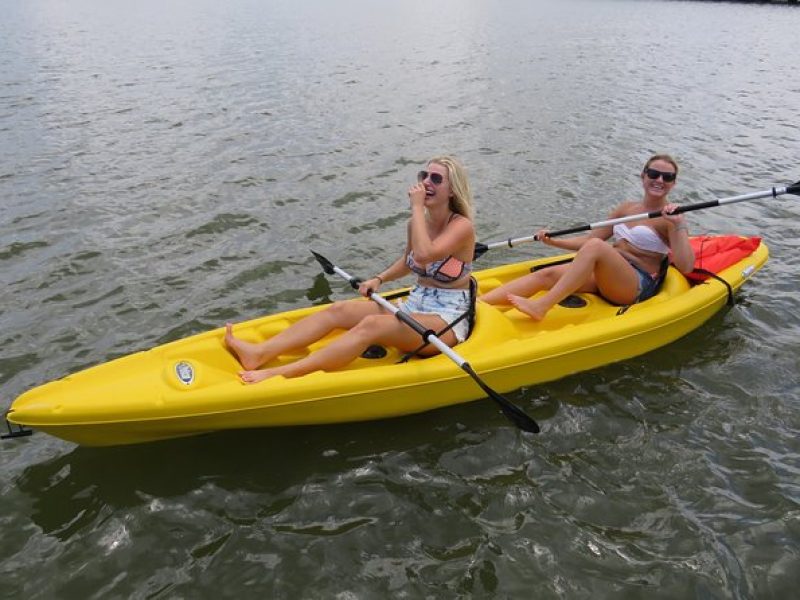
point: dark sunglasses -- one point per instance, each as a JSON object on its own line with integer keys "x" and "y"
{"x": 655, "y": 174}
{"x": 436, "y": 178}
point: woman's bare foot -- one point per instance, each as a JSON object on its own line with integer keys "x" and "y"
{"x": 256, "y": 376}
{"x": 247, "y": 353}
{"x": 532, "y": 308}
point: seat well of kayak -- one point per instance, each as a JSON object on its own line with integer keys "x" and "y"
{"x": 573, "y": 301}
{"x": 374, "y": 352}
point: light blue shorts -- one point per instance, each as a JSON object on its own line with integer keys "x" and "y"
{"x": 447, "y": 304}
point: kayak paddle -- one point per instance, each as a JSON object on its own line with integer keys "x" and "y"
{"x": 510, "y": 410}
{"x": 481, "y": 249}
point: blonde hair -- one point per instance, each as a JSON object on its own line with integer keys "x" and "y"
{"x": 461, "y": 198}
{"x": 665, "y": 158}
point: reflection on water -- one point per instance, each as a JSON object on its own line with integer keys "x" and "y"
{"x": 165, "y": 169}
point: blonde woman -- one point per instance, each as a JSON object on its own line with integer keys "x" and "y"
{"x": 439, "y": 251}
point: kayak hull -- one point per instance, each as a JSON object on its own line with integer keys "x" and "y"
{"x": 191, "y": 386}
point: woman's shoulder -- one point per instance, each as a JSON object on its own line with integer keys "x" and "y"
{"x": 461, "y": 223}
{"x": 464, "y": 243}
{"x": 455, "y": 217}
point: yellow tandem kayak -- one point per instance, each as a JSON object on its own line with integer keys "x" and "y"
{"x": 191, "y": 386}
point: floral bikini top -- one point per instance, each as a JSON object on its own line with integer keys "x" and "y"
{"x": 447, "y": 270}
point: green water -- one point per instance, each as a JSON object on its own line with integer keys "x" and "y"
{"x": 166, "y": 167}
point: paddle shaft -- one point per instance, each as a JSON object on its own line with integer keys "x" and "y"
{"x": 480, "y": 249}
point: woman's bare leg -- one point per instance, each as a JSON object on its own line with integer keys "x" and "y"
{"x": 339, "y": 315}
{"x": 527, "y": 285}
{"x": 596, "y": 266}
{"x": 376, "y": 329}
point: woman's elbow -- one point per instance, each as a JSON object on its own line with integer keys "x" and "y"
{"x": 685, "y": 265}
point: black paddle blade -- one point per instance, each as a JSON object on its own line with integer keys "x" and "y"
{"x": 327, "y": 265}
{"x": 794, "y": 188}
{"x": 480, "y": 250}
{"x": 512, "y": 412}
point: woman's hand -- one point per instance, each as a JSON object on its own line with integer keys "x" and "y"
{"x": 673, "y": 219}
{"x": 543, "y": 235}
{"x": 416, "y": 194}
{"x": 365, "y": 288}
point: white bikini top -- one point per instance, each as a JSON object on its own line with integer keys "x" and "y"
{"x": 642, "y": 237}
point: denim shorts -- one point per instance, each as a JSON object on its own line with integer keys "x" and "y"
{"x": 447, "y": 304}
{"x": 647, "y": 283}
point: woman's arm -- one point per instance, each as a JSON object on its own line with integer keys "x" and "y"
{"x": 678, "y": 232}
{"x": 573, "y": 243}
{"x": 576, "y": 243}
{"x": 394, "y": 271}
{"x": 458, "y": 237}
{"x": 682, "y": 253}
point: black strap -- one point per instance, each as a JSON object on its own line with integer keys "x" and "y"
{"x": 468, "y": 314}
{"x": 15, "y": 431}
{"x": 554, "y": 263}
{"x": 397, "y": 294}
{"x": 730, "y": 301}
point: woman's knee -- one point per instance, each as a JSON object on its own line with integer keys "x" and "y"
{"x": 336, "y": 310}
{"x": 339, "y": 306}
{"x": 344, "y": 313}
{"x": 373, "y": 327}
{"x": 593, "y": 246}
{"x": 546, "y": 278}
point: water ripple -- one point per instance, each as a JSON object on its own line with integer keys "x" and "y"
{"x": 165, "y": 170}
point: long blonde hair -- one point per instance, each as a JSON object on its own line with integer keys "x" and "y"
{"x": 461, "y": 199}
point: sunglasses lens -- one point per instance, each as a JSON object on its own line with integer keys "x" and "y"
{"x": 655, "y": 174}
{"x": 436, "y": 178}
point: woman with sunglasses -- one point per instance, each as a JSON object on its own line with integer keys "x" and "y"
{"x": 439, "y": 250}
{"x": 625, "y": 272}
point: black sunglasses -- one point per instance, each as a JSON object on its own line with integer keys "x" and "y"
{"x": 436, "y": 178}
{"x": 655, "y": 174}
